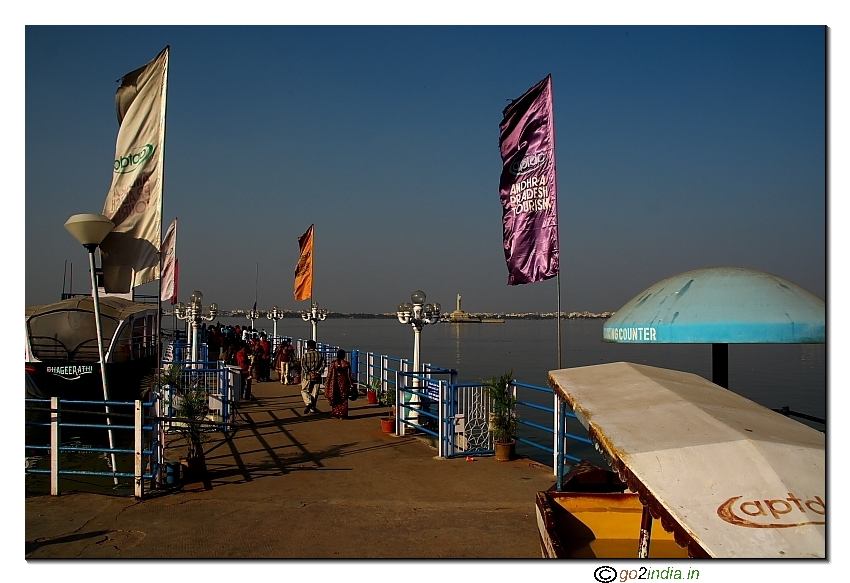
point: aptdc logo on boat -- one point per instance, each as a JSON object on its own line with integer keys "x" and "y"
{"x": 792, "y": 511}
{"x": 71, "y": 372}
{"x": 133, "y": 161}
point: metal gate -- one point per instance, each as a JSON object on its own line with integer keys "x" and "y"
{"x": 469, "y": 415}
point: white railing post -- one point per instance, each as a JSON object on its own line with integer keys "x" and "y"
{"x": 399, "y": 411}
{"x": 54, "y": 446}
{"x": 441, "y": 419}
{"x": 139, "y": 462}
{"x": 556, "y": 424}
{"x": 385, "y": 379}
{"x": 159, "y": 431}
{"x": 224, "y": 393}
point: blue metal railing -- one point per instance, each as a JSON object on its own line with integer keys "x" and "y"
{"x": 221, "y": 383}
{"x": 181, "y": 351}
{"x": 454, "y": 403}
{"x": 560, "y": 434}
{"x": 370, "y": 367}
{"x": 528, "y": 404}
{"x": 553, "y": 431}
{"x": 424, "y": 405}
{"x": 144, "y": 433}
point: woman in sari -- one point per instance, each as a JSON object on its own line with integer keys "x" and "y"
{"x": 337, "y": 384}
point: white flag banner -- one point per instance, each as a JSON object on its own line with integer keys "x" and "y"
{"x": 130, "y": 253}
{"x": 169, "y": 262}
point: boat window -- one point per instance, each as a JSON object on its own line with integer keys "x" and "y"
{"x": 68, "y": 335}
{"x": 151, "y": 339}
{"x": 141, "y": 337}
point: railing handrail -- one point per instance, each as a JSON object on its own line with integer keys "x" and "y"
{"x": 533, "y": 387}
{"x": 75, "y": 402}
{"x": 140, "y": 430}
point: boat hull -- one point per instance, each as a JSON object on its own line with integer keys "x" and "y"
{"x": 82, "y": 382}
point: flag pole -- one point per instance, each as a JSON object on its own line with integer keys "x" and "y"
{"x": 161, "y": 196}
{"x": 312, "y": 256}
{"x": 558, "y": 277}
{"x": 312, "y": 319}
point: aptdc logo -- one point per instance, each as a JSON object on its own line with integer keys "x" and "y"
{"x": 529, "y": 163}
{"x": 790, "y": 512}
{"x": 134, "y": 160}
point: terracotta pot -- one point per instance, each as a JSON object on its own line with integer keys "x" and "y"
{"x": 388, "y": 424}
{"x": 372, "y": 397}
{"x": 505, "y": 451}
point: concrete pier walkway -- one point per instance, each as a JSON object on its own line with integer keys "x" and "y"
{"x": 289, "y": 485}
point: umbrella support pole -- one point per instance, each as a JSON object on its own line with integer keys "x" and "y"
{"x": 720, "y": 364}
{"x": 645, "y": 533}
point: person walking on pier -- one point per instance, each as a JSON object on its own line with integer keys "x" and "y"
{"x": 256, "y": 360}
{"x": 283, "y": 356}
{"x": 243, "y": 360}
{"x": 277, "y": 365}
{"x": 312, "y": 364}
{"x": 337, "y": 384}
{"x": 265, "y": 358}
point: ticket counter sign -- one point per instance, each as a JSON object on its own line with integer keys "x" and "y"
{"x": 728, "y": 305}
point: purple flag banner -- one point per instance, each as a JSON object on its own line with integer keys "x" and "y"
{"x": 527, "y": 187}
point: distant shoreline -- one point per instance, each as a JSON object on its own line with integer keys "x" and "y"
{"x": 392, "y": 316}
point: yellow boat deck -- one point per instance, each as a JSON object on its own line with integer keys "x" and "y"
{"x": 583, "y": 526}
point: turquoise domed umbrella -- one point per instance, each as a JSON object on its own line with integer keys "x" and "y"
{"x": 720, "y": 306}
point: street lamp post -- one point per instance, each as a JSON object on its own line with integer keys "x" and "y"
{"x": 194, "y": 314}
{"x": 90, "y": 230}
{"x": 314, "y": 315}
{"x": 252, "y": 315}
{"x": 275, "y": 315}
{"x": 418, "y": 315}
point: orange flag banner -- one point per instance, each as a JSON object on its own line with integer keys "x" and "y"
{"x": 304, "y": 269}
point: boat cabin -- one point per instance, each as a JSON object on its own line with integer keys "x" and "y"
{"x": 62, "y": 348}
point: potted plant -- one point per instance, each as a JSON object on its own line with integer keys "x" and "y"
{"x": 170, "y": 375}
{"x": 166, "y": 383}
{"x": 191, "y": 412}
{"x": 372, "y": 391}
{"x": 387, "y": 399}
{"x": 167, "y": 378}
{"x": 503, "y": 418}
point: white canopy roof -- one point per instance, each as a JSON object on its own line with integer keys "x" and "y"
{"x": 110, "y": 307}
{"x": 719, "y": 470}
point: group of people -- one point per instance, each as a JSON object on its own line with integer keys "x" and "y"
{"x": 252, "y": 353}
{"x": 246, "y": 348}
{"x": 339, "y": 380}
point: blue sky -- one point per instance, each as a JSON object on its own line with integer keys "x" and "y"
{"x": 676, "y": 147}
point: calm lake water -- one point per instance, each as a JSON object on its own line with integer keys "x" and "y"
{"x": 773, "y": 375}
